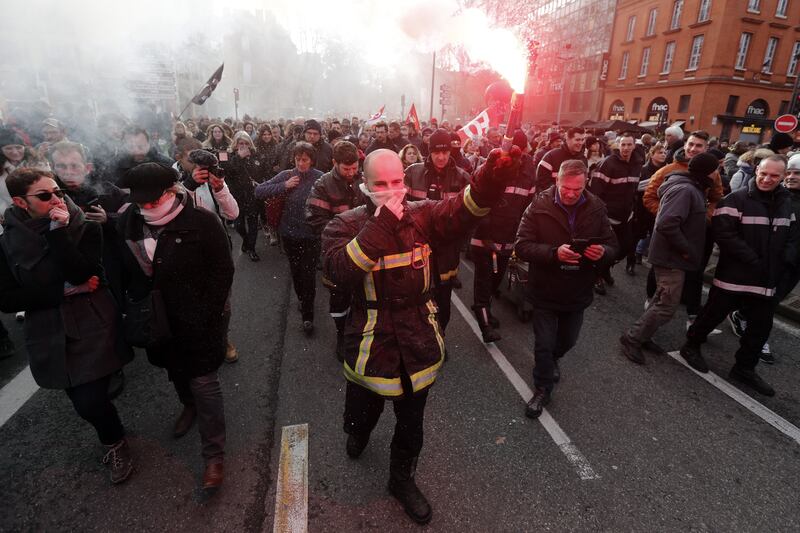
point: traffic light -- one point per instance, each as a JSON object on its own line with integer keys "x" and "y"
{"x": 444, "y": 94}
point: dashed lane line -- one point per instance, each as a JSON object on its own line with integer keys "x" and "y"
{"x": 15, "y": 393}
{"x": 767, "y": 415}
{"x": 291, "y": 496}
{"x": 573, "y": 455}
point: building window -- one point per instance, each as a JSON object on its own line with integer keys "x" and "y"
{"x": 782, "y": 8}
{"x": 733, "y": 101}
{"x": 677, "y": 8}
{"x": 669, "y": 55}
{"x": 769, "y": 55}
{"x": 754, "y": 6}
{"x": 683, "y": 103}
{"x": 697, "y": 51}
{"x": 705, "y": 11}
{"x": 637, "y": 105}
{"x": 792, "y": 70}
{"x": 741, "y": 55}
{"x": 631, "y": 27}
{"x": 784, "y": 107}
{"x": 623, "y": 69}
{"x": 651, "y": 22}
{"x": 645, "y": 62}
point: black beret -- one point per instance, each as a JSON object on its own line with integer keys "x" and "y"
{"x": 148, "y": 181}
{"x": 439, "y": 141}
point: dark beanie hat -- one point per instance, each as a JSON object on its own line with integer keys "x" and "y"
{"x": 719, "y": 154}
{"x": 148, "y": 181}
{"x": 8, "y": 137}
{"x": 520, "y": 140}
{"x": 312, "y": 125}
{"x": 455, "y": 141}
{"x": 439, "y": 141}
{"x": 780, "y": 141}
{"x": 703, "y": 164}
{"x": 553, "y": 137}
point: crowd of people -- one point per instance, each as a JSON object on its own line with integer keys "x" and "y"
{"x": 117, "y": 236}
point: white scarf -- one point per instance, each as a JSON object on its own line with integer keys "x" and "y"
{"x": 160, "y": 215}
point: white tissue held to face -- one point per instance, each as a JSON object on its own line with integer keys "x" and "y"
{"x": 391, "y": 198}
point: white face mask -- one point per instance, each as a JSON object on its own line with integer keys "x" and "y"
{"x": 379, "y": 198}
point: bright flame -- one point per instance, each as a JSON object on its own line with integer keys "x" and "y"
{"x": 435, "y": 23}
{"x": 498, "y": 47}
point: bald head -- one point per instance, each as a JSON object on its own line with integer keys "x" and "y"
{"x": 383, "y": 170}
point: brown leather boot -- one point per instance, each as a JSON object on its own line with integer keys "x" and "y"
{"x": 185, "y": 421}
{"x": 212, "y": 478}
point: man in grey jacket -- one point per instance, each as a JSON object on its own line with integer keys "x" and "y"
{"x": 676, "y": 246}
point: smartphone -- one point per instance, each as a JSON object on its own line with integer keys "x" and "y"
{"x": 580, "y": 245}
{"x": 91, "y": 203}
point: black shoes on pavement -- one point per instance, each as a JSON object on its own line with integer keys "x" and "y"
{"x": 631, "y": 350}
{"x": 356, "y": 444}
{"x": 540, "y": 400}
{"x": 254, "y": 257}
{"x": 308, "y": 327}
{"x": 119, "y": 459}
{"x": 600, "y": 287}
{"x": 694, "y": 357}
{"x": 751, "y": 379}
{"x": 403, "y": 487}
{"x": 485, "y": 324}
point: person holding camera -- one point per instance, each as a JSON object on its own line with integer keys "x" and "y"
{"x": 178, "y": 255}
{"x": 566, "y": 235}
{"x": 51, "y": 267}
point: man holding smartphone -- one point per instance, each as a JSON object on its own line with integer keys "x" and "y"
{"x": 566, "y": 236}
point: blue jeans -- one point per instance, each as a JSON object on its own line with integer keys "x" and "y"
{"x": 555, "y": 332}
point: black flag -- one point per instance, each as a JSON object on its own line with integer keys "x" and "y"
{"x": 204, "y": 94}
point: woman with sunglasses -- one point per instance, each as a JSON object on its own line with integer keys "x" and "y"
{"x": 51, "y": 267}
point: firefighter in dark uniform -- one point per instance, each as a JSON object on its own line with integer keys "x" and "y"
{"x": 439, "y": 178}
{"x": 393, "y": 343}
{"x": 493, "y": 241}
{"x": 333, "y": 193}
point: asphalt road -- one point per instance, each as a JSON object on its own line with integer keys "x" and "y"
{"x": 665, "y": 450}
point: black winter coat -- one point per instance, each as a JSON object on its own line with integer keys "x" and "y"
{"x": 614, "y": 181}
{"x": 331, "y": 195}
{"x": 193, "y": 269}
{"x": 71, "y": 340}
{"x": 243, "y": 174}
{"x": 544, "y": 227}
{"x": 757, "y": 235}
{"x": 424, "y": 181}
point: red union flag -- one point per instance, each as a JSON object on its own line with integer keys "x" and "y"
{"x": 377, "y": 117}
{"x": 477, "y": 127}
{"x": 413, "y": 118}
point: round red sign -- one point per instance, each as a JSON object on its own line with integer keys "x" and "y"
{"x": 786, "y": 123}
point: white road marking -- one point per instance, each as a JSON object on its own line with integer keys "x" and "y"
{"x": 761, "y": 411}
{"x": 291, "y": 497}
{"x": 15, "y": 393}
{"x": 574, "y": 456}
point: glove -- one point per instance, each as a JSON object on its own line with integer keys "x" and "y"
{"x": 507, "y": 165}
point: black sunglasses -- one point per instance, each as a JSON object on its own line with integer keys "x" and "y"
{"x": 46, "y": 196}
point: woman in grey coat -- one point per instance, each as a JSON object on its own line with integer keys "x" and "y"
{"x": 51, "y": 268}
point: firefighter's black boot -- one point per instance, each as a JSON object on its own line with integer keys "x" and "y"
{"x": 402, "y": 468}
{"x": 488, "y": 332}
{"x": 339, "y": 321}
{"x": 492, "y": 320}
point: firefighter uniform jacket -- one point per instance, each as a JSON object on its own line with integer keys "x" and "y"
{"x": 757, "y": 237}
{"x": 392, "y": 327}
{"x": 547, "y": 171}
{"x": 330, "y": 196}
{"x": 424, "y": 181}
{"x": 497, "y": 232}
{"x": 615, "y": 182}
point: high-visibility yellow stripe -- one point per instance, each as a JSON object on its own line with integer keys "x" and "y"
{"x": 368, "y": 335}
{"x": 358, "y": 257}
{"x": 425, "y": 377}
{"x": 427, "y": 276}
{"x": 400, "y": 260}
{"x": 470, "y": 204}
{"x": 382, "y": 386}
{"x": 448, "y": 275}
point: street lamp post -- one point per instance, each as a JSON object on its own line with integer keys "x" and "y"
{"x": 566, "y": 60}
